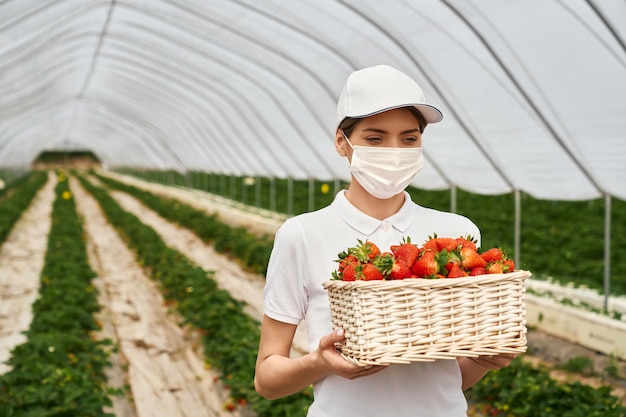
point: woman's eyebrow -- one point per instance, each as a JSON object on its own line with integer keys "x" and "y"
{"x": 375, "y": 130}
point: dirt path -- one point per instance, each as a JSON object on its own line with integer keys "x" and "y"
{"x": 21, "y": 260}
{"x": 166, "y": 375}
{"x": 236, "y": 214}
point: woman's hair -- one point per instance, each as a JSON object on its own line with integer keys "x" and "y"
{"x": 348, "y": 124}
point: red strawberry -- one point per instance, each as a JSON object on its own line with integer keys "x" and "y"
{"x": 400, "y": 270}
{"x": 348, "y": 259}
{"x": 446, "y": 243}
{"x": 467, "y": 242}
{"x": 508, "y": 265}
{"x": 479, "y": 270}
{"x": 456, "y": 271}
{"x": 431, "y": 244}
{"x": 493, "y": 254}
{"x": 437, "y": 244}
{"x": 365, "y": 251}
{"x": 426, "y": 265}
{"x": 448, "y": 259}
{"x": 369, "y": 272}
{"x": 470, "y": 259}
{"x": 494, "y": 267}
{"x": 349, "y": 273}
{"x": 345, "y": 259}
{"x": 406, "y": 252}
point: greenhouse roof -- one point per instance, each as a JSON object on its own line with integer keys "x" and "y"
{"x": 533, "y": 91}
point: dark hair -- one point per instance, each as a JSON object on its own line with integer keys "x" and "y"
{"x": 348, "y": 124}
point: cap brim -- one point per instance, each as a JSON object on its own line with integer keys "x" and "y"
{"x": 430, "y": 113}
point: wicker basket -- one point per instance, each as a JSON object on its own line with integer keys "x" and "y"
{"x": 410, "y": 320}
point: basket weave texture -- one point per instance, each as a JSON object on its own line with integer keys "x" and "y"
{"x": 416, "y": 319}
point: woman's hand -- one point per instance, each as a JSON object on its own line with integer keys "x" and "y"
{"x": 278, "y": 375}
{"x": 336, "y": 364}
{"x": 473, "y": 369}
{"x": 501, "y": 360}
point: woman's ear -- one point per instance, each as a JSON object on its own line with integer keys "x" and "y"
{"x": 340, "y": 143}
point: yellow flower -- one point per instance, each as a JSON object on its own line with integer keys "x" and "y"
{"x": 66, "y": 195}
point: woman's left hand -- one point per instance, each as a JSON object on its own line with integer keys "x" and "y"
{"x": 501, "y": 360}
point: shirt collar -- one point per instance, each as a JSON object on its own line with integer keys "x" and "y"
{"x": 367, "y": 225}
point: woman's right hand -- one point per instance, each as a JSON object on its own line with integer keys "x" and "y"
{"x": 332, "y": 360}
{"x": 278, "y": 375}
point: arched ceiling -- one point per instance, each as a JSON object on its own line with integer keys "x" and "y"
{"x": 533, "y": 91}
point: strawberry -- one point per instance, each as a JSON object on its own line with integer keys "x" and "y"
{"x": 446, "y": 243}
{"x": 470, "y": 259}
{"x": 426, "y": 265}
{"x": 400, "y": 270}
{"x": 384, "y": 262}
{"x": 456, "y": 271}
{"x": 369, "y": 272}
{"x": 494, "y": 267}
{"x": 406, "y": 252}
{"x": 431, "y": 245}
{"x": 348, "y": 259}
{"x": 349, "y": 273}
{"x": 493, "y": 254}
{"x": 509, "y": 265}
{"x": 467, "y": 242}
{"x": 438, "y": 244}
{"x": 479, "y": 270}
{"x": 373, "y": 250}
{"x": 365, "y": 251}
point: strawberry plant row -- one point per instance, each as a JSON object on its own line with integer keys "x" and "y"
{"x": 250, "y": 250}
{"x": 571, "y": 396}
{"x": 523, "y": 390}
{"x": 230, "y": 337}
{"x": 59, "y": 370}
{"x": 16, "y": 198}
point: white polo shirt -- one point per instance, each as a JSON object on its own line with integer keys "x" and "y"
{"x": 303, "y": 258}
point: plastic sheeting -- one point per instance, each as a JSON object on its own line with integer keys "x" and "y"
{"x": 533, "y": 91}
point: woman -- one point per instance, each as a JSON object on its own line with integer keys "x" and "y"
{"x": 382, "y": 115}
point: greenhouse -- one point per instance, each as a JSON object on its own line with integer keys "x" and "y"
{"x": 177, "y": 136}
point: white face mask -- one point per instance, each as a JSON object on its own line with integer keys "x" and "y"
{"x": 385, "y": 172}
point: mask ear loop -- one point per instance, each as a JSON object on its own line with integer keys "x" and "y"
{"x": 346, "y": 138}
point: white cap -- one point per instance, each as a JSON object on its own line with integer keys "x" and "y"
{"x": 380, "y": 88}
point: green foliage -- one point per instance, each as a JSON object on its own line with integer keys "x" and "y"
{"x": 523, "y": 390}
{"x": 612, "y": 369}
{"x": 230, "y": 337}
{"x": 63, "y": 157}
{"x": 15, "y": 198}
{"x": 59, "y": 370}
{"x": 580, "y": 364}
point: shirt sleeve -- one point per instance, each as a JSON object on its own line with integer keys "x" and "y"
{"x": 285, "y": 293}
